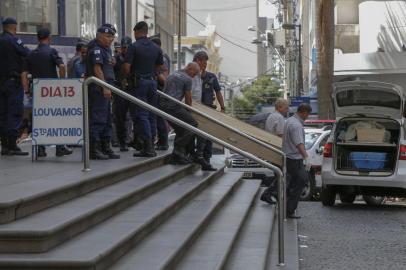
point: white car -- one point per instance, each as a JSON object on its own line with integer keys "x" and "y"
{"x": 315, "y": 139}
{"x": 366, "y": 152}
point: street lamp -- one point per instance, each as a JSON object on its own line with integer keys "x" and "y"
{"x": 288, "y": 26}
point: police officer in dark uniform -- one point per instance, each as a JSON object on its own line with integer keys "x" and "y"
{"x": 12, "y": 52}
{"x": 162, "y": 74}
{"x": 100, "y": 63}
{"x": 121, "y": 105}
{"x": 141, "y": 62}
{"x": 210, "y": 86}
{"x": 42, "y": 63}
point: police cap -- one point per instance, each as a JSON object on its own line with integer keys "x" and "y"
{"x": 9, "y": 20}
{"x": 43, "y": 33}
{"x": 109, "y": 25}
{"x": 126, "y": 41}
{"x": 106, "y": 30}
{"x": 117, "y": 45}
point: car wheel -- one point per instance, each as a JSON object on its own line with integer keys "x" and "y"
{"x": 347, "y": 198}
{"x": 308, "y": 190}
{"x": 328, "y": 196}
{"x": 373, "y": 200}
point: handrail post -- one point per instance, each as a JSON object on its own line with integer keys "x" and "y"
{"x": 86, "y": 139}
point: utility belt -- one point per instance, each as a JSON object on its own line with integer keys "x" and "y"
{"x": 14, "y": 77}
{"x": 134, "y": 80}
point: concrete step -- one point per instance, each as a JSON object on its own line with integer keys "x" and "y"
{"x": 25, "y": 198}
{"x": 253, "y": 245}
{"x": 174, "y": 237}
{"x": 43, "y": 230}
{"x": 211, "y": 250}
{"x": 108, "y": 241}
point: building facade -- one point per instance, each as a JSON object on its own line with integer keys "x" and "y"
{"x": 70, "y": 20}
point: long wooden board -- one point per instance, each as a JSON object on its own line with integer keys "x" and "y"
{"x": 233, "y": 138}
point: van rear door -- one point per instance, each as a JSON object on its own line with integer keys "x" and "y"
{"x": 368, "y": 98}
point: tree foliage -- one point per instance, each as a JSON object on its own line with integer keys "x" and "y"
{"x": 262, "y": 92}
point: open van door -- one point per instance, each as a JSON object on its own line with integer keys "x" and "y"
{"x": 368, "y": 98}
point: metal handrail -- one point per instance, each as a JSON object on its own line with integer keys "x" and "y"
{"x": 275, "y": 169}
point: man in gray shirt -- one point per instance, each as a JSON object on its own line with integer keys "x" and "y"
{"x": 293, "y": 145}
{"x": 179, "y": 85}
{"x": 275, "y": 123}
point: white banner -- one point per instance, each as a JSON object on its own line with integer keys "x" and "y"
{"x": 57, "y": 111}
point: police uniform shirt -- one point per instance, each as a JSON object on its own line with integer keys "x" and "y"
{"x": 79, "y": 68}
{"x": 42, "y": 62}
{"x": 117, "y": 67}
{"x": 293, "y": 136}
{"x": 210, "y": 85}
{"x": 100, "y": 55}
{"x": 12, "y": 51}
{"x": 144, "y": 56}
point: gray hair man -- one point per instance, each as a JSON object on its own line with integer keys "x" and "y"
{"x": 293, "y": 145}
{"x": 275, "y": 123}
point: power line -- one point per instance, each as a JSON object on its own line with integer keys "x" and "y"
{"x": 221, "y": 9}
{"x": 216, "y": 33}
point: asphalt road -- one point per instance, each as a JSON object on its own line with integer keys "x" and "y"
{"x": 352, "y": 237}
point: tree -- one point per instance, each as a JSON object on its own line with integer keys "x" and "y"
{"x": 262, "y": 92}
{"x": 325, "y": 56}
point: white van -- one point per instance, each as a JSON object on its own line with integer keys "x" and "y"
{"x": 366, "y": 151}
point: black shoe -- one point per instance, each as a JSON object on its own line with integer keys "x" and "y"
{"x": 96, "y": 153}
{"x": 161, "y": 147}
{"x": 177, "y": 160}
{"x": 123, "y": 147}
{"x": 147, "y": 150}
{"x": 4, "y": 146}
{"x": 205, "y": 166}
{"x": 144, "y": 154}
{"x": 115, "y": 144}
{"x": 106, "y": 150}
{"x": 41, "y": 151}
{"x": 13, "y": 149}
{"x": 293, "y": 216}
{"x": 137, "y": 144}
{"x": 62, "y": 151}
{"x": 268, "y": 198}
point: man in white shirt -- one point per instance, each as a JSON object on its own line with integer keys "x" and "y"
{"x": 275, "y": 123}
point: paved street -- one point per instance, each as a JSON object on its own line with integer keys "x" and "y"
{"x": 352, "y": 237}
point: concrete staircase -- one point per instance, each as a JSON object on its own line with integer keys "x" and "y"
{"x": 141, "y": 215}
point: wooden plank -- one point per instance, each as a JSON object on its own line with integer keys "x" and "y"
{"x": 233, "y": 138}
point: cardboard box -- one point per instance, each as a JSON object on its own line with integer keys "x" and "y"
{"x": 370, "y": 135}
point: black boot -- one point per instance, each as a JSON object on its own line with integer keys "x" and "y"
{"x": 147, "y": 150}
{"x": 61, "y": 150}
{"x": 41, "y": 151}
{"x": 123, "y": 147}
{"x": 13, "y": 149}
{"x": 199, "y": 159}
{"x": 106, "y": 149}
{"x": 4, "y": 146}
{"x": 95, "y": 151}
{"x": 162, "y": 144}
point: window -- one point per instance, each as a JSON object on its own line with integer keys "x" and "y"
{"x": 310, "y": 139}
{"x": 113, "y": 13}
{"x": 368, "y": 97}
{"x": 31, "y": 14}
{"x": 83, "y": 17}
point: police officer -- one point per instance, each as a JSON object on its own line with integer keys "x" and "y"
{"x": 162, "y": 74}
{"x": 72, "y": 61}
{"x": 142, "y": 59}
{"x": 99, "y": 63}
{"x": 42, "y": 63}
{"x": 12, "y": 52}
{"x": 121, "y": 105}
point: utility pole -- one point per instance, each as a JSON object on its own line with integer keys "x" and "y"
{"x": 325, "y": 56}
{"x": 289, "y": 52}
{"x": 179, "y": 34}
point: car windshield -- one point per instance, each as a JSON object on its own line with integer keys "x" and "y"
{"x": 311, "y": 138}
